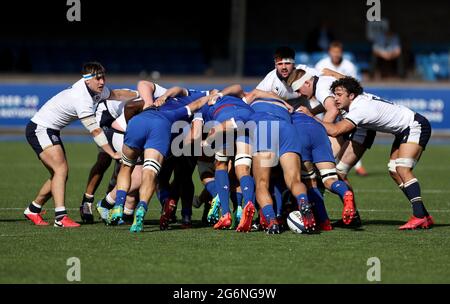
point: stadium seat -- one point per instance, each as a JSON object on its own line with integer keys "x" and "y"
{"x": 316, "y": 57}
{"x": 302, "y": 58}
{"x": 433, "y": 66}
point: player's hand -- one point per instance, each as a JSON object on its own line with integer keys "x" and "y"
{"x": 214, "y": 92}
{"x": 305, "y": 110}
{"x": 160, "y": 100}
{"x": 289, "y": 107}
{"x": 117, "y": 155}
{"x": 249, "y": 97}
{"x": 213, "y": 98}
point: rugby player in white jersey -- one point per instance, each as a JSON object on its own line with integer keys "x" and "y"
{"x": 43, "y": 134}
{"x": 335, "y": 61}
{"x": 276, "y": 80}
{"x": 411, "y": 130}
{"x": 346, "y": 152}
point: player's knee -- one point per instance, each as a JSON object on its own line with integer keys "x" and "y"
{"x": 152, "y": 165}
{"x": 61, "y": 169}
{"x": 262, "y": 183}
{"x": 392, "y": 168}
{"x": 220, "y": 157}
{"x": 291, "y": 178}
{"x": 404, "y": 165}
{"x": 128, "y": 162}
{"x": 342, "y": 168}
{"x": 243, "y": 159}
{"x": 328, "y": 175}
{"x": 308, "y": 175}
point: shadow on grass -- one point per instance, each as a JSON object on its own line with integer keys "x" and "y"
{"x": 153, "y": 226}
{"x": 395, "y": 223}
{"x": 12, "y": 220}
{"x": 383, "y": 222}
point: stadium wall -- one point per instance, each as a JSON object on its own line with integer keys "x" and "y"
{"x": 19, "y": 102}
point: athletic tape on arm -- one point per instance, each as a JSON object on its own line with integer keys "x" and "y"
{"x": 90, "y": 123}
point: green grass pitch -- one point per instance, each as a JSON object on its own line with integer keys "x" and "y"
{"x": 30, "y": 254}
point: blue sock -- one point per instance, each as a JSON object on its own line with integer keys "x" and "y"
{"x": 211, "y": 188}
{"x": 302, "y": 199}
{"x": 339, "y": 187}
{"x": 236, "y": 198}
{"x": 142, "y": 204}
{"x": 121, "y": 196}
{"x": 162, "y": 194}
{"x": 186, "y": 212}
{"x": 223, "y": 189}
{"x": 315, "y": 196}
{"x": 268, "y": 212}
{"x": 248, "y": 189}
{"x": 412, "y": 192}
{"x": 277, "y": 194}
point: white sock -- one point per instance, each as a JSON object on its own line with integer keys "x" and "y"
{"x": 109, "y": 199}
{"x": 128, "y": 211}
{"x": 88, "y": 195}
{"x": 36, "y": 205}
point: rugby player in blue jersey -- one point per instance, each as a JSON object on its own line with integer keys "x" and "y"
{"x": 230, "y": 114}
{"x": 150, "y": 132}
{"x": 275, "y": 139}
{"x": 316, "y": 151}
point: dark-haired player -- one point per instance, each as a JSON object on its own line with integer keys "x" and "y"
{"x": 411, "y": 130}
{"x": 43, "y": 134}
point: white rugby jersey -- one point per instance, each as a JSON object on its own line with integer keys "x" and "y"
{"x": 271, "y": 83}
{"x": 371, "y": 112}
{"x": 120, "y": 118}
{"x": 345, "y": 68}
{"x": 107, "y": 111}
{"x": 69, "y": 105}
{"x": 322, "y": 88}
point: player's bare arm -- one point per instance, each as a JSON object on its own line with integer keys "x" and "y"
{"x": 123, "y": 95}
{"x": 172, "y": 92}
{"x": 339, "y": 128}
{"x": 146, "y": 90}
{"x": 329, "y": 72}
{"x": 233, "y": 90}
{"x": 255, "y": 94}
{"x": 331, "y": 111}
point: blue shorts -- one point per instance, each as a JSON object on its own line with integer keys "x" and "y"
{"x": 273, "y": 135}
{"x": 313, "y": 138}
{"x": 240, "y": 116}
{"x": 149, "y": 130}
{"x": 236, "y": 113}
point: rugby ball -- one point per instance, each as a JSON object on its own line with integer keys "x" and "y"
{"x": 295, "y": 222}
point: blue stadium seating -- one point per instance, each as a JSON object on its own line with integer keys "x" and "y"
{"x": 434, "y": 66}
